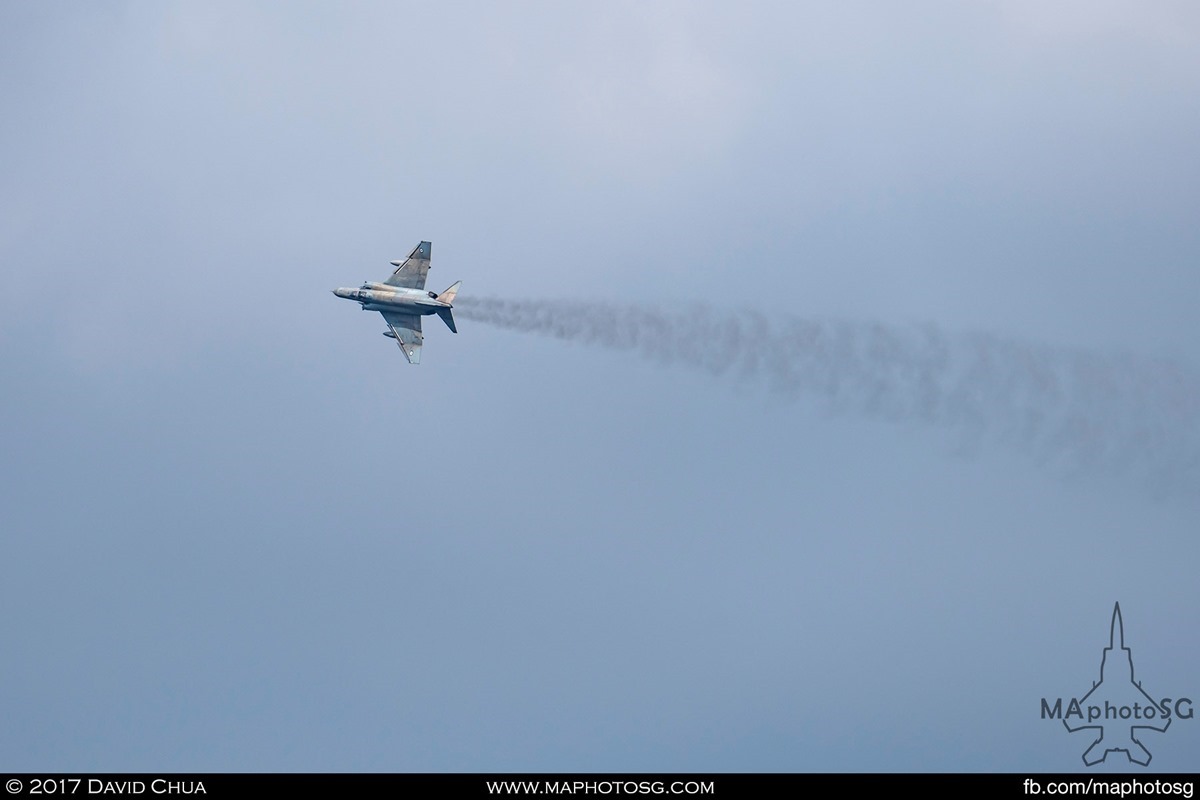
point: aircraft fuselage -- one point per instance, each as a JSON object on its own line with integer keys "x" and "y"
{"x": 380, "y": 297}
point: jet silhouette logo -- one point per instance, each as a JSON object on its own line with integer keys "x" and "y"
{"x": 1117, "y": 709}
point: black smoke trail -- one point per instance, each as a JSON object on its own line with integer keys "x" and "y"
{"x": 1073, "y": 408}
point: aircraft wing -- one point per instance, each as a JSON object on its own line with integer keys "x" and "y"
{"x": 407, "y": 330}
{"x": 410, "y": 273}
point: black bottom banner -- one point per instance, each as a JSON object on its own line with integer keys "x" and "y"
{"x": 591, "y": 785}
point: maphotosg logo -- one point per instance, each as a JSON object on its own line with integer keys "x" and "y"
{"x": 1117, "y": 709}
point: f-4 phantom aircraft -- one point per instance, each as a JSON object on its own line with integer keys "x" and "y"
{"x": 402, "y": 300}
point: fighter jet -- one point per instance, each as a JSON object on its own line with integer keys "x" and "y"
{"x": 402, "y": 300}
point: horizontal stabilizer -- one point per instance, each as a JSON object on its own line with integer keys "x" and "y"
{"x": 447, "y": 317}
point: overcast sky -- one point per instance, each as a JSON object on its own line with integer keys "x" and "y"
{"x": 239, "y": 532}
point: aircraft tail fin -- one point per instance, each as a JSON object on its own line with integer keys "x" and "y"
{"x": 448, "y": 295}
{"x": 448, "y": 317}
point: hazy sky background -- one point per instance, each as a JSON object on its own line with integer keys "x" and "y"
{"x": 241, "y": 533}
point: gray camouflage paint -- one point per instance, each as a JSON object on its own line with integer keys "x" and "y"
{"x": 402, "y": 300}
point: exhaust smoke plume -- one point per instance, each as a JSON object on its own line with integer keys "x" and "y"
{"x": 1072, "y": 409}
